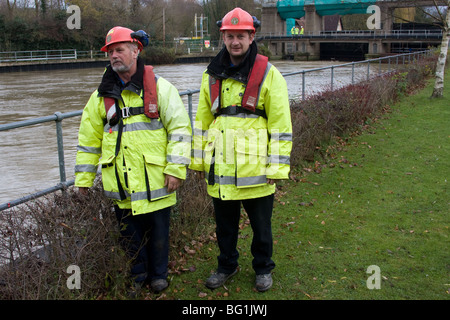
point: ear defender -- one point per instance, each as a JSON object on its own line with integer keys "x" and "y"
{"x": 256, "y": 22}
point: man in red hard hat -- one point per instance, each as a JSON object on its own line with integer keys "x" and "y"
{"x": 136, "y": 127}
{"x": 244, "y": 109}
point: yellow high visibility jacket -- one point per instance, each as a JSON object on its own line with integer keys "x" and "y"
{"x": 149, "y": 149}
{"x": 239, "y": 152}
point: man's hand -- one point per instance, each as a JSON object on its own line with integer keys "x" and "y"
{"x": 172, "y": 183}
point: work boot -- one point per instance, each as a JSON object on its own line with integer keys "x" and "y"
{"x": 217, "y": 279}
{"x": 263, "y": 282}
{"x": 158, "y": 285}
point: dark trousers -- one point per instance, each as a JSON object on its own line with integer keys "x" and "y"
{"x": 227, "y": 228}
{"x": 145, "y": 237}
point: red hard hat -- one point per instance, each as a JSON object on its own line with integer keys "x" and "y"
{"x": 237, "y": 19}
{"x": 120, "y": 34}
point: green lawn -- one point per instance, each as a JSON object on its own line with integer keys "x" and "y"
{"x": 381, "y": 198}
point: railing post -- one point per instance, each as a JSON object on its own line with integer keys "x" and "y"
{"x": 190, "y": 107}
{"x": 59, "y": 138}
{"x": 303, "y": 85}
{"x": 353, "y": 73}
{"x": 332, "y": 77}
{"x": 368, "y": 70}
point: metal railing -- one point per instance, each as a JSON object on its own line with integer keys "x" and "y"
{"x": 58, "y": 117}
{"x": 360, "y": 34}
{"x": 392, "y": 64}
{"x": 46, "y": 55}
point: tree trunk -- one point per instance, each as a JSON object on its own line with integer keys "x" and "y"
{"x": 438, "y": 90}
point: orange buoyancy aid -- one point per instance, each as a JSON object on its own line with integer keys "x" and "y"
{"x": 150, "y": 108}
{"x": 251, "y": 94}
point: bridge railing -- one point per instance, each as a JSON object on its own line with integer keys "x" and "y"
{"x": 393, "y": 63}
{"x": 366, "y": 34}
{"x": 47, "y": 55}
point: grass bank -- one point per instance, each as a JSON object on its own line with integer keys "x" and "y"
{"x": 378, "y": 197}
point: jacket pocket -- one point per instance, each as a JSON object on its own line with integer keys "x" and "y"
{"x": 154, "y": 177}
{"x": 209, "y": 155}
{"x": 109, "y": 176}
{"x": 250, "y": 164}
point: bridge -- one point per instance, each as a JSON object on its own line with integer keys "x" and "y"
{"x": 314, "y": 16}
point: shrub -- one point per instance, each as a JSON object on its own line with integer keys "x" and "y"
{"x": 333, "y": 113}
{"x": 41, "y": 239}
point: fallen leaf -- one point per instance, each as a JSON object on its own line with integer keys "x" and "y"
{"x": 189, "y": 250}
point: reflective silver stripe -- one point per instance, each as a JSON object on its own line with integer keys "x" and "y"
{"x": 138, "y": 196}
{"x": 114, "y": 195}
{"x": 89, "y": 149}
{"x": 279, "y": 159}
{"x": 250, "y": 181}
{"x": 85, "y": 168}
{"x": 178, "y": 159}
{"x": 111, "y": 112}
{"x": 137, "y": 126}
{"x": 196, "y": 153}
{"x": 281, "y": 136}
{"x": 179, "y": 137}
{"x": 269, "y": 65}
{"x": 244, "y": 181}
{"x": 199, "y": 132}
{"x": 225, "y": 180}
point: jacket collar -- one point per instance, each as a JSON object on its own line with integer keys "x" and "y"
{"x": 111, "y": 85}
{"x": 221, "y": 68}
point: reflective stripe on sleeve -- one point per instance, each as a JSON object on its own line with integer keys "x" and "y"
{"x": 279, "y": 159}
{"x": 93, "y": 150}
{"x": 85, "y": 168}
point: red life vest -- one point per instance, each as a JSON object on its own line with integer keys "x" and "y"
{"x": 150, "y": 108}
{"x": 250, "y": 98}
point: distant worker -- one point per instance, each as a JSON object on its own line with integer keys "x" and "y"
{"x": 302, "y": 30}
{"x": 136, "y": 127}
{"x": 241, "y": 145}
{"x": 295, "y": 30}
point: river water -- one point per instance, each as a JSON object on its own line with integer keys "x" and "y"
{"x": 28, "y": 156}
